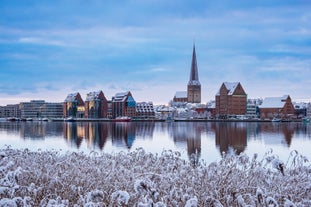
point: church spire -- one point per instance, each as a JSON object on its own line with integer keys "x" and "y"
{"x": 194, "y": 76}
{"x": 194, "y": 86}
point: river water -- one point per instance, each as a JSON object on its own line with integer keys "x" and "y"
{"x": 207, "y": 140}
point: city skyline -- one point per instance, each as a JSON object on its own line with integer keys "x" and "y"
{"x": 49, "y": 49}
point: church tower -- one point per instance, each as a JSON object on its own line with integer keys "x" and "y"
{"x": 194, "y": 86}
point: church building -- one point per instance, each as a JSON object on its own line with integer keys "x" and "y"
{"x": 194, "y": 86}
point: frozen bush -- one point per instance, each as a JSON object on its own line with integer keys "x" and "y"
{"x": 193, "y": 202}
{"x": 120, "y": 197}
{"x": 138, "y": 178}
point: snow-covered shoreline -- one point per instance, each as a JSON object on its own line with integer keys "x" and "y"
{"x": 49, "y": 178}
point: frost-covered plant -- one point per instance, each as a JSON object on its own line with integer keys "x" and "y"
{"x": 138, "y": 178}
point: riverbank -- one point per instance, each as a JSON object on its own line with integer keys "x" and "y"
{"x": 138, "y": 178}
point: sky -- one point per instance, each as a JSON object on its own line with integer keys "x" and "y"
{"x": 49, "y": 49}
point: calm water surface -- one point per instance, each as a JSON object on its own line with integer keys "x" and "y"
{"x": 206, "y": 139}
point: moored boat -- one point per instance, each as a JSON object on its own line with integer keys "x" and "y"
{"x": 276, "y": 120}
{"x": 12, "y": 119}
{"x": 123, "y": 119}
{"x": 69, "y": 119}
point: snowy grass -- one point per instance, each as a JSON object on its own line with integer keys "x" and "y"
{"x": 49, "y": 178}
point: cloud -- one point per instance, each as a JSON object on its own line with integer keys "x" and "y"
{"x": 41, "y": 41}
{"x": 146, "y": 45}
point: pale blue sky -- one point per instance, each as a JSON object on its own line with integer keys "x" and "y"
{"x": 51, "y": 48}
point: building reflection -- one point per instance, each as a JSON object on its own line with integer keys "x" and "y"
{"x": 96, "y": 134}
{"x": 187, "y": 135}
{"x": 39, "y": 130}
{"x": 285, "y": 129}
{"x": 123, "y": 134}
{"x": 144, "y": 130}
{"x": 230, "y": 135}
{"x": 73, "y": 133}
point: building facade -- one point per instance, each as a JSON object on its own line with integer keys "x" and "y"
{"x": 194, "y": 85}
{"x": 40, "y": 109}
{"x": 230, "y": 100}
{"x": 51, "y": 110}
{"x": 11, "y": 110}
{"x": 123, "y": 104}
{"x": 73, "y": 106}
{"x": 96, "y": 105}
{"x": 277, "y": 107}
{"x": 181, "y": 97}
{"x": 145, "y": 110}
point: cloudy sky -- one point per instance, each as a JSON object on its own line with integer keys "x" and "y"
{"x": 51, "y": 48}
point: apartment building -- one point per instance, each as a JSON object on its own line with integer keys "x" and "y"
{"x": 96, "y": 105}
{"x": 73, "y": 106}
{"x": 123, "y": 104}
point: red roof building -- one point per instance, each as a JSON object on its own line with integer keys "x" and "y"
{"x": 230, "y": 100}
{"x": 277, "y": 107}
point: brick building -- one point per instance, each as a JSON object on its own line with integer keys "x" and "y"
{"x": 73, "y": 106}
{"x": 181, "y": 97}
{"x": 123, "y": 104}
{"x": 277, "y": 107}
{"x": 96, "y": 105}
{"x": 230, "y": 100}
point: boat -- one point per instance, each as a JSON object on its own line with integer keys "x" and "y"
{"x": 12, "y": 119}
{"x": 276, "y": 120}
{"x": 123, "y": 119}
{"x": 29, "y": 119}
{"x": 69, "y": 119}
{"x": 45, "y": 119}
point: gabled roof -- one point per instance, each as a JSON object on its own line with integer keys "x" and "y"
{"x": 230, "y": 86}
{"x": 181, "y": 94}
{"x": 120, "y": 97}
{"x": 71, "y": 97}
{"x": 92, "y": 95}
{"x": 274, "y": 102}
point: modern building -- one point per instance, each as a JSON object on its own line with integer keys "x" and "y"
{"x": 11, "y": 110}
{"x": 252, "y": 110}
{"x": 194, "y": 85}
{"x": 40, "y": 109}
{"x": 96, "y": 105}
{"x": 123, "y": 104}
{"x": 145, "y": 110}
{"x": 51, "y": 110}
{"x": 277, "y": 107}
{"x": 181, "y": 97}
{"x": 73, "y": 106}
{"x": 230, "y": 100}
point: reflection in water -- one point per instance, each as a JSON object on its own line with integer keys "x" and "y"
{"x": 230, "y": 135}
{"x": 286, "y": 129}
{"x": 73, "y": 133}
{"x": 96, "y": 134}
{"x": 185, "y": 135}
{"x": 123, "y": 134}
